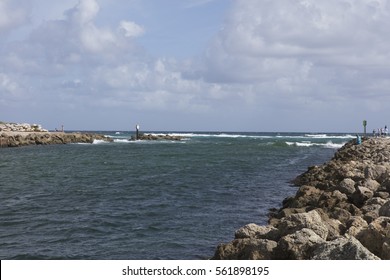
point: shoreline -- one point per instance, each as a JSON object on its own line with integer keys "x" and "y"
{"x": 341, "y": 211}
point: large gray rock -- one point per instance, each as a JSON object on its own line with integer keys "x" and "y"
{"x": 246, "y": 249}
{"x": 298, "y": 245}
{"x": 384, "y": 210}
{"x": 342, "y": 248}
{"x": 376, "y": 237}
{"x": 311, "y": 220}
{"x": 257, "y": 232}
{"x": 347, "y": 186}
{"x": 361, "y": 195}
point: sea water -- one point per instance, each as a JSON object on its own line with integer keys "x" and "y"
{"x": 148, "y": 199}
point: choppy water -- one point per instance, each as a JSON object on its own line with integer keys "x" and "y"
{"x": 147, "y": 200}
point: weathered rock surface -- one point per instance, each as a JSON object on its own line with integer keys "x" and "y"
{"x": 340, "y": 211}
{"x": 21, "y": 127}
{"x": 49, "y": 138}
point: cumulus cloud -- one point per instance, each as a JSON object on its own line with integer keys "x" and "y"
{"x": 297, "y": 59}
{"x": 300, "y": 44}
{"x": 131, "y": 29}
{"x": 13, "y": 14}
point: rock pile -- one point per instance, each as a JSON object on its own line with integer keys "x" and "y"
{"x": 157, "y": 137}
{"x": 340, "y": 211}
{"x": 16, "y": 135}
{"x": 21, "y": 127}
{"x": 49, "y": 139}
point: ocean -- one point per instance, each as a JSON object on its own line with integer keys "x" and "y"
{"x": 135, "y": 200}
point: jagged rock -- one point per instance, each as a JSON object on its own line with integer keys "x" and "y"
{"x": 361, "y": 195}
{"x": 355, "y": 225}
{"x": 376, "y": 235}
{"x": 297, "y": 245}
{"x": 256, "y": 231}
{"x": 342, "y": 248}
{"x": 371, "y": 184}
{"x": 311, "y": 220}
{"x": 384, "y": 210}
{"x": 246, "y": 249}
{"x": 347, "y": 186}
{"x": 306, "y": 196}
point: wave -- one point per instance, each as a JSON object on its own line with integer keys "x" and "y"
{"x": 329, "y": 144}
{"x": 96, "y": 141}
{"x": 210, "y": 135}
{"x": 325, "y": 136}
{"x": 122, "y": 141}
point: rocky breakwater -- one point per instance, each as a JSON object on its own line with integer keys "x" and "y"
{"x": 340, "y": 211}
{"x": 16, "y": 135}
{"x": 157, "y": 137}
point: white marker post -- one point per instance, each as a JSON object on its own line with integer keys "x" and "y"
{"x": 137, "y": 132}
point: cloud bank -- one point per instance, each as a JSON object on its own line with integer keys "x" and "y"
{"x": 273, "y": 65}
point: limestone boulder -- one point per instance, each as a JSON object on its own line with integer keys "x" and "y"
{"x": 298, "y": 245}
{"x": 311, "y": 220}
{"x": 255, "y": 231}
{"x": 346, "y": 186}
{"x": 355, "y": 225}
{"x": 306, "y": 196}
{"x": 246, "y": 249}
{"x": 361, "y": 195}
{"x": 342, "y": 248}
{"x": 384, "y": 210}
{"x": 376, "y": 236}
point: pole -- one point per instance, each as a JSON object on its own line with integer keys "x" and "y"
{"x": 137, "y": 132}
{"x": 364, "y": 125}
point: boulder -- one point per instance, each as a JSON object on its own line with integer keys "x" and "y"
{"x": 384, "y": 210}
{"x": 342, "y": 248}
{"x": 347, "y": 186}
{"x": 311, "y": 220}
{"x": 376, "y": 236}
{"x": 297, "y": 245}
{"x": 355, "y": 225}
{"x": 257, "y": 232}
{"x": 246, "y": 249}
{"x": 361, "y": 195}
{"x": 306, "y": 196}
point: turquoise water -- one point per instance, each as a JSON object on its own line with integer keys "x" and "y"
{"x": 147, "y": 200}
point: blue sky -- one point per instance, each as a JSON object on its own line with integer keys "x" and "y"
{"x": 220, "y": 65}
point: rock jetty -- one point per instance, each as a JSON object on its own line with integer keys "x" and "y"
{"x": 157, "y": 137}
{"x": 21, "y": 127}
{"x": 16, "y": 135}
{"x": 341, "y": 211}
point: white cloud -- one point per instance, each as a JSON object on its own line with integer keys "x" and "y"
{"x": 6, "y": 84}
{"x": 13, "y": 14}
{"x": 297, "y": 60}
{"x": 303, "y": 46}
{"x": 84, "y": 12}
{"x": 131, "y": 29}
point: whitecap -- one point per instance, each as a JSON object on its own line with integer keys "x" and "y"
{"x": 96, "y": 141}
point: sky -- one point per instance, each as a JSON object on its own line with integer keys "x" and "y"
{"x": 196, "y": 65}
